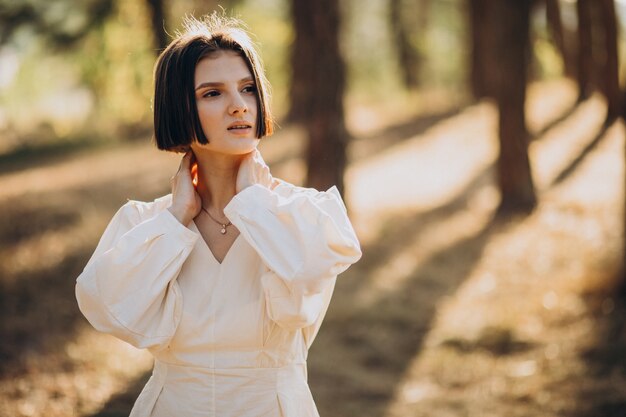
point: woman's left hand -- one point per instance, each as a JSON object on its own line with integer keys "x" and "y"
{"x": 254, "y": 170}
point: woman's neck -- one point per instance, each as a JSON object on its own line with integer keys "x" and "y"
{"x": 217, "y": 177}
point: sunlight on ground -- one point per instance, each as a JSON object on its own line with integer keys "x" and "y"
{"x": 566, "y": 141}
{"x": 101, "y": 365}
{"x": 391, "y": 276}
{"x": 90, "y": 170}
{"x": 531, "y": 277}
{"x": 422, "y": 172}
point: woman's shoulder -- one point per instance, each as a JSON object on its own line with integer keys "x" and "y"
{"x": 329, "y": 200}
{"x": 137, "y": 211}
{"x": 286, "y": 188}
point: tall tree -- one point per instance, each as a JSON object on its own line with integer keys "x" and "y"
{"x": 512, "y": 47}
{"x": 609, "y": 65}
{"x": 319, "y": 76}
{"x": 482, "y": 65}
{"x": 584, "y": 53}
{"x": 555, "y": 26}
{"x": 300, "y": 60}
{"x": 404, "y": 24}
{"x": 157, "y": 12}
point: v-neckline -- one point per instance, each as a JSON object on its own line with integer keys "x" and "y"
{"x": 208, "y": 248}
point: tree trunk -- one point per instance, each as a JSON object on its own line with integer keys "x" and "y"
{"x": 402, "y": 44}
{"x": 555, "y": 26}
{"x": 157, "y": 14}
{"x": 584, "y": 56}
{"x": 319, "y": 78}
{"x": 477, "y": 25}
{"x": 609, "y": 66}
{"x": 483, "y": 62}
{"x": 513, "y": 166}
{"x": 302, "y": 60}
{"x": 401, "y": 22}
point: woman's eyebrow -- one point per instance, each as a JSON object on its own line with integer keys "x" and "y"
{"x": 219, "y": 84}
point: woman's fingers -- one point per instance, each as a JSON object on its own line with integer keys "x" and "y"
{"x": 181, "y": 165}
{"x": 185, "y": 163}
{"x": 253, "y": 170}
{"x": 185, "y": 200}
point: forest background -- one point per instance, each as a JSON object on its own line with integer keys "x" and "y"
{"x": 480, "y": 148}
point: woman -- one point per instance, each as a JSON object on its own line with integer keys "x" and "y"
{"x": 227, "y": 279}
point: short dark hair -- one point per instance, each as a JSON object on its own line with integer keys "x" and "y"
{"x": 176, "y": 122}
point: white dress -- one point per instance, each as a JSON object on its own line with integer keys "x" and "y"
{"x": 229, "y": 339}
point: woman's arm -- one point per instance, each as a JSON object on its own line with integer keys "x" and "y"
{"x": 128, "y": 287}
{"x": 304, "y": 238}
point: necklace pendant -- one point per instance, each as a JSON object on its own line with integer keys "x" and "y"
{"x": 223, "y": 231}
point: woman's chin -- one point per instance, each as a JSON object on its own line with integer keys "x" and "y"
{"x": 241, "y": 147}
{"x": 245, "y": 146}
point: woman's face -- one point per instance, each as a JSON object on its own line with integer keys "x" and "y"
{"x": 227, "y": 104}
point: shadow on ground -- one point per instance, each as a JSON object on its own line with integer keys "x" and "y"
{"x": 378, "y": 341}
{"x": 604, "y": 358}
{"x": 38, "y": 311}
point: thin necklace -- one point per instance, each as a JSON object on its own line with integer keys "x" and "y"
{"x": 224, "y": 225}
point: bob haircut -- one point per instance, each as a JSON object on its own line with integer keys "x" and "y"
{"x": 176, "y": 122}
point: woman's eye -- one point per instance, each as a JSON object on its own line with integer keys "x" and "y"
{"x": 249, "y": 89}
{"x": 211, "y": 93}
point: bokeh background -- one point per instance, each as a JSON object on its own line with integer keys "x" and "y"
{"x": 480, "y": 148}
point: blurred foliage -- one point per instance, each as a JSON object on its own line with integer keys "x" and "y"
{"x": 116, "y": 64}
{"x": 62, "y": 23}
{"x": 54, "y": 89}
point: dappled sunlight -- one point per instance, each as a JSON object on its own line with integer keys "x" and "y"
{"x": 130, "y": 165}
{"x": 41, "y": 253}
{"x": 79, "y": 381}
{"x": 364, "y": 119}
{"x": 514, "y": 330}
{"x": 548, "y": 101}
{"x": 436, "y": 236}
{"x": 425, "y": 171}
{"x": 558, "y": 147}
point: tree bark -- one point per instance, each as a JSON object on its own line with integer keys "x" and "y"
{"x": 301, "y": 59}
{"x": 157, "y": 14}
{"x": 483, "y": 62}
{"x": 477, "y": 11}
{"x": 584, "y": 55}
{"x": 318, "y": 84}
{"x": 609, "y": 66}
{"x": 513, "y": 166}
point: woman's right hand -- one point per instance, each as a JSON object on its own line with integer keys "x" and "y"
{"x": 186, "y": 202}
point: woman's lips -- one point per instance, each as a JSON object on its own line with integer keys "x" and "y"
{"x": 240, "y": 129}
{"x": 239, "y": 126}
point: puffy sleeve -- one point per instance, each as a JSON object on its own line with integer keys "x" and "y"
{"x": 128, "y": 288}
{"x": 305, "y": 239}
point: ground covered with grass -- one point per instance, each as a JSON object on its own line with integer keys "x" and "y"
{"x": 451, "y": 312}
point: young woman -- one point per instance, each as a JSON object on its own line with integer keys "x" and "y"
{"x": 227, "y": 279}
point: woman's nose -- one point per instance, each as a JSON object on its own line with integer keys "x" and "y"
{"x": 238, "y": 105}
